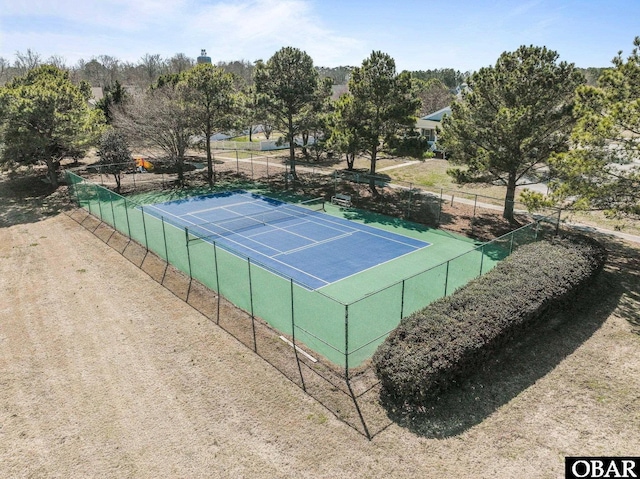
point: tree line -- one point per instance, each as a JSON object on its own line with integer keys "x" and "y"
{"x": 527, "y": 118}
{"x": 105, "y": 70}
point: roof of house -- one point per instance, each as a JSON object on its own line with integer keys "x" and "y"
{"x": 438, "y": 115}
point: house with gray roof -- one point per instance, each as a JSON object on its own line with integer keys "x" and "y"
{"x": 430, "y": 124}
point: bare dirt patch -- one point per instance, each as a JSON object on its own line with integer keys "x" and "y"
{"x": 105, "y": 373}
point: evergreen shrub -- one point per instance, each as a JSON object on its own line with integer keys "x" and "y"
{"x": 433, "y": 348}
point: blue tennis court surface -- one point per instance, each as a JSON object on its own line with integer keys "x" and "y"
{"x": 313, "y": 248}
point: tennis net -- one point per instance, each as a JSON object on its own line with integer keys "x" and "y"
{"x": 242, "y": 223}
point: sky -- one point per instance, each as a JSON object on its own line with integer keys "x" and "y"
{"x": 419, "y": 34}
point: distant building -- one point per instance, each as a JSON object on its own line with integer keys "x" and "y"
{"x": 429, "y": 125}
{"x": 203, "y": 58}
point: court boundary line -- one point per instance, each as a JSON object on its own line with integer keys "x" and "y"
{"x": 324, "y": 221}
{"x": 379, "y": 264}
{"x": 266, "y": 267}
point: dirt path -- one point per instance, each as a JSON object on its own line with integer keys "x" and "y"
{"x": 104, "y": 373}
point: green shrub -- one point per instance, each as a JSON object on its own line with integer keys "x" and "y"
{"x": 438, "y": 345}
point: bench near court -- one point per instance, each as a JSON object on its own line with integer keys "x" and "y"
{"x": 341, "y": 200}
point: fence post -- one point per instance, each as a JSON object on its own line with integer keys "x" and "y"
{"x": 293, "y": 337}
{"x": 439, "y": 208}
{"x": 253, "y": 318}
{"x": 113, "y": 213}
{"x": 186, "y": 234}
{"x": 144, "y": 228}
{"x": 237, "y": 162}
{"x": 88, "y": 195}
{"x": 126, "y": 213}
{"x": 100, "y": 203}
{"x": 511, "y": 243}
{"x": 446, "y": 278}
{"x": 215, "y": 262}
{"x": 346, "y": 342}
{"x": 402, "y": 301}
{"x": 166, "y": 251}
{"x": 481, "y": 259}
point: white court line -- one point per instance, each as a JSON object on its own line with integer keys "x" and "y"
{"x": 193, "y": 213}
{"x": 366, "y": 231}
{"x": 230, "y": 240}
{"x": 315, "y": 243}
{"x": 378, "y": 264}
{"x": 324, "y": 221}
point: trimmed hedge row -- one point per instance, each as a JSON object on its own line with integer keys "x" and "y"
{"x": 434, "y": 347}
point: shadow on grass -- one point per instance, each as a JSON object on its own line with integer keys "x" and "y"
{"x": 524, "y": 361}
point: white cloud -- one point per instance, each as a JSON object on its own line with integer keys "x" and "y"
{"x": 258, "y": 28}
{"x": 229, "y": 30}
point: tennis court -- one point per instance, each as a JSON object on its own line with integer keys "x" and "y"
{"x": 337, "y": 281}
{"x": 298, "y": 241}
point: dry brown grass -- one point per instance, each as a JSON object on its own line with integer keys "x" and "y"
{"x": 105, "y": 373}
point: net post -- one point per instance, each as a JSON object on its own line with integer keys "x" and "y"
{"x": 253, "y": 318}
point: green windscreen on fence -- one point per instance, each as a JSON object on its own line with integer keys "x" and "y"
{"x": 346, "y": 333}
{"x": 233, "y": 277}
{"x": 424, "y": 288}
{"x": 463, "y": 269}
{"x": 203, "y": 262}
{"x": 320, "y": 323}
{"x": 371, "y": 319}
{"x": 271, "y": 298}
